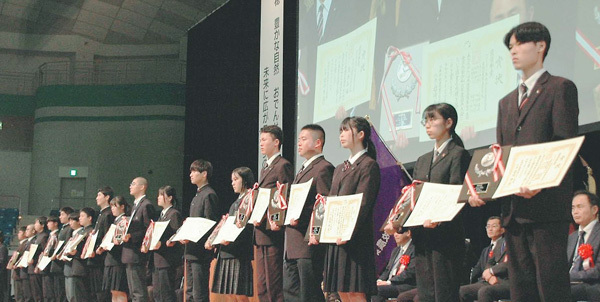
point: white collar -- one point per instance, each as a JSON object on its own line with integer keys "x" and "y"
{"x": 310, "y": 160}
{"x": 404, "y": 247}
{"x": 353, "y": 159}
{"x": 272, "y": 158}
{"x": 442, "y": 146}
{"x": 120, "y": 215}
{"x": 77, "y": 230}
{"x": 530, "y": 82}
{"x": 588, "y": 228}
{"x": 135, "y": 202}
{"x": 493, "y": 242}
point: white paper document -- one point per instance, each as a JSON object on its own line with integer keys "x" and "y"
{"x": 44, "y": 262}
{"x": 298, "y": 195}
{"x": 32, "y": 250}
{"x": 261, "y": 205}
{"x": 107, "y": 241}
{"x": 159, "y": 229}
{"x": 90, "y": 244}
{"x": 538, "y": 166}
{"x": 438, "y": 202}
{"x": 341, "y": 213}
{"x": 23, "y": 261}
{"x": 228, "y": 232}
{"x": 193, "y": 229}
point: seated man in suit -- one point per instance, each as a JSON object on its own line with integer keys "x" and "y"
{"x": 398, "y": 275}
{"x": 584, "y": 272}
{"x": 491, "y": 271}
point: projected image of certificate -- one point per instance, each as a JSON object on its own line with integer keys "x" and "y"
{"x": 193, "y": 229}
{"x": 437, "y": 202}
{"x": 538, "y": 166}
{"x": 261, "y": 205}
{"x": 297, "y": 199}
{"x": 341, "y": 213}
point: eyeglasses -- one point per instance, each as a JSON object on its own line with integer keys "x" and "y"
{"x": 492, "y": 226}
{"x": 429, "y": 120}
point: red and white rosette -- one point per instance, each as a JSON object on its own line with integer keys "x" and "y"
{"x": 320, "y": 199}
{"x": 497, "y": 170}
{"x": 586, "y": 252}
{"x": 404, "y": 261}
{"x": 248, "y": 199}
{"x": 408, "y": 190}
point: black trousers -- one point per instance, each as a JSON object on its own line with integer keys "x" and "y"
{"x": 48, "y": 288}
{"x": 537, "y": 261}
{"x": 484, "y": 292}
{"x": 390, "y": 291}
{"x": 163, "y": 282}
{"x": 302, "y": 279}
{"x": 58, "y": 281}
{"x": 198, "y": 273}
{"x": 136, "y": 281}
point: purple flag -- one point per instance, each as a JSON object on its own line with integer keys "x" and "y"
{"x": 393, "y": 178}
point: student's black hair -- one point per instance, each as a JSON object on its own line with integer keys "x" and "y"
{"x": 529, "y": 32}
{"x": 168, "y": 191}
{"x": 247, "y": 176}
{"x": 447, "y": 111}
{"x": 90, "y": 212}
{"x": 53, "y": 219}
{"x": 361, "y": 124}
{"x": 319, "y": 130}
{"x": 201, "y": 165}
{"x": 121, "y": 201}
{"x": 107, "y": 191}
{"x": 275, "y": 131}
{"x": 74, "y": 215}
{"x": 43, "y": 220}
{"x": 67, "y": 210}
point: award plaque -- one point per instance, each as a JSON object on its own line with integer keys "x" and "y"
{"x": 246, "y": 206}
{"x": 278, "y": 205}
{"x": 316, "y": 218}
{"x": 485, "y": 172}
{"x": 404, "y": 205}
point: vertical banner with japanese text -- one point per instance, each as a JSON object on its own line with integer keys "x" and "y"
{"x": 271, "y": 67}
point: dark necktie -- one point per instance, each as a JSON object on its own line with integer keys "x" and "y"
{"x": 524, "y": 97}
{"x": 301, "y": 170}
{"x": 436, "y": 154}
{"x": 320, "y": 22}
{"x": 577, "y": 261}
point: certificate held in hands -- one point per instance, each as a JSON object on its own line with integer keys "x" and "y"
{"x": 437, "y": 202}
{"x": 485, "y": 173}
{"x": 193, "y": 229}
{"x": 341, "y": 213}
{"x": 261, "y": 205}
{"x": 278, "y": 204}
{"x": 297, "y": 199}
{"x": 538, "y": 166}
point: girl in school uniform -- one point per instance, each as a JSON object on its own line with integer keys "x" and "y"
{"x": 350, "y": 265}
{"x": 233, "y": 272}
{"x": 439, "y": 247}
{"x": 115, "y": 280}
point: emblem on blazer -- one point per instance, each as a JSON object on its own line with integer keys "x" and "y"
{"x": 487, "y": 163}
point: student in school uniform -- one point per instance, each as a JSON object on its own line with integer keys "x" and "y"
{"x": 350, "y": 265}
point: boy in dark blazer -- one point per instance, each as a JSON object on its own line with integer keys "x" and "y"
{"x": 76, "y": 284}
{"x": 268, "y": 238}
{"x": 543, "y": 108}
{"x": 135, "y": 261}
{"x": 57, "y": 266}
{"x": 35, "y": 275}
{"x": 205, "y": 204}
{"x": 303, "y": 264}
{"x": 96, "y": 262}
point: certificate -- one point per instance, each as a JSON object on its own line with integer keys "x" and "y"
{"x": 43, "y": 263}
{"x": 32, "y": 250}
{"x": 13, "y": 260}
{"x": 159, "y": 229}
{"x": 403, "y": 206}
{"x": 341, "y": 213}
{"x": 23, "y": 261}
{"x": 437, "y": 202}
{"x": 228, "y": 232}
{"x": 278, "y": 205}
{"x": 538, "y": 166}
{"x": 298, "y": 195}
{"x": 89, "y": 245}
{"x": 193, "y": 229}
{"x": 246, "y": 205}
{"x": 107, "y": 241}
{"x": 485, "y": 172}
{"x": 261, "y": 205}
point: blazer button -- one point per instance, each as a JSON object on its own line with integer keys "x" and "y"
{"x": 519, "y": 128}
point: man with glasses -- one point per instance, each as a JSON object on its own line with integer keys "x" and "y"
{"x": 490, "y": 274}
